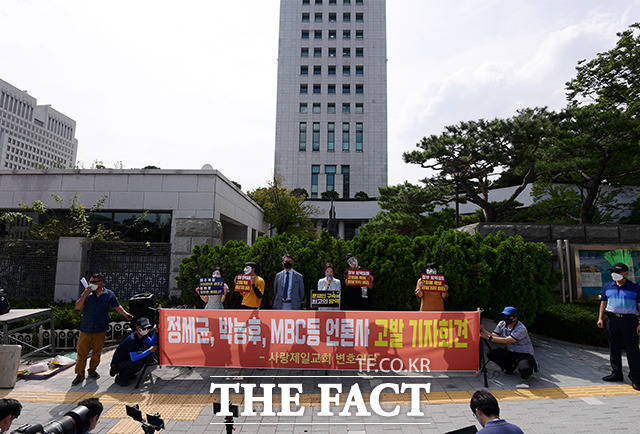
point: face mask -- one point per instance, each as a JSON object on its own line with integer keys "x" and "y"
{"x": 329, "y": 276}
{"x": 216, "y": 274}
{"x": 144, "y": 332}
{"x": 617, "y": 277}
{"x": 247, "y": 270}
{"x": 509, "y": 320}
{"x": 92, "y": 286}
{"x": 353, "y": 263}
{"x": 431, "y": 271}
{"x": 288, "y": 264}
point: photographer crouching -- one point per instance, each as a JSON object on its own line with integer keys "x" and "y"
{"x": 132, "y": 353}
{"x": 80, "y": 420}
{"x": 518, "y": 355}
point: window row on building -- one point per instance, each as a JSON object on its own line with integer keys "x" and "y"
{"x": 333, "y": 2}
{"x": 317, "y": 34}
{"x": 332, "y": 52}
{"x": 316, "y": 107}
{"x": 330, "y": 173}
{"x": 60, "y": 128}
{"x": 331, "y": 89}
{"x": 332, "y": 17}
{"x": 331, "y": 70}
{"x": 16, "y": 106}
{"x": 331, "y": 136}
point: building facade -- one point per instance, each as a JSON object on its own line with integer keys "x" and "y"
{"x": 33, "y": 136}
{"x": 331, "y": 116}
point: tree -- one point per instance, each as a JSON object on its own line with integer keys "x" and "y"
{"x": 150, "y": 167}
{"x": 330, "y": 195}
{"x": 301, "y": 192}
{"x": 284, "y": 211}
{"x": 361, "y": 195}
{"x": 468, "y": 155}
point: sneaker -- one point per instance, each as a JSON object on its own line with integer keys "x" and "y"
{"x": 113, "y": 371}
{"x": 121, "y": 381}
{"x": 612, "y": 377}
{"x": 93, "y": 374}
{"x": 77, "y": 380}
{"x": 636, "y": 386}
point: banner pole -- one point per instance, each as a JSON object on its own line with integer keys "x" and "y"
{"x": 483, "y": 364}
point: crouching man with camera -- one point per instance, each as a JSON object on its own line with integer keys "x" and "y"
{"x": 132, "y": 353}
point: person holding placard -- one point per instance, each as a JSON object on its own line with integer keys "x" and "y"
{"x": 356, "y": 297}
{"x": 251, "y": 286}
{"x": 214, "y": 301}
{"x": 431, "y": 297}
{"x": 329, "y": 283}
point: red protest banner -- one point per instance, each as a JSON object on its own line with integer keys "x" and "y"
{"x": 448, "y": 341}
{"x": 243, "y": 283}
{"x": 432, "y": 283}
{"x": 359, "y": 277}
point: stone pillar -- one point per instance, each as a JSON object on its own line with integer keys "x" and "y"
{"x": 341, "y": 229}
{"x": 188, "y": 233}
{"x": 72, "y": 260}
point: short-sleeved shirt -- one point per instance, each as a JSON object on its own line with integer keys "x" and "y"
{"x": 95, "y": 314}
{"x": 131, "y": 344}
{"x": 500, "y": 426}
{"x": 249, "y": 298}
{"x": 621, "y": 299}
{"x": 519, "y": 333}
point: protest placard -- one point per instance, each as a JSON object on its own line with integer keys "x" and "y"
{"x": 328, "y": 298}
{"x": 359, "y": 277}
{"x": 243, "y": 283}
{"x": 211, "y": 286}
{"x": 432, "y": 283}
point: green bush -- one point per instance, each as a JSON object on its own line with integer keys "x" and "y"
{"x": 489, "y": 272}
{"x": 574, "y": 322}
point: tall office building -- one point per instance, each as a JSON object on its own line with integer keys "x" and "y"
{"x": 331, "y": 120}
{"x": 32, "y": 135}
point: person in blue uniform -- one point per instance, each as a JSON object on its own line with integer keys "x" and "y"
{"x": 620, "y": 302}
{"x": 132, "y": 353}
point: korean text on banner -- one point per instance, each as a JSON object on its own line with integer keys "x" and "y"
{"x": 318, "y": 339}
{"x": 359, "y": 277}
{"x": 432, "y": 283}
{"x": 325, "y": 299}
{"x": 243, "y": 283}
{"x": 211, "y": 286}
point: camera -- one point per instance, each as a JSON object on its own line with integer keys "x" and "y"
{"x": 75, "y": 421}
{"x": 153, "y": 423}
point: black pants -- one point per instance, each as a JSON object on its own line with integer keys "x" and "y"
{"x": 129, "y": 369}
{"x": 622, "y": 333}
{"x": 511, "y": 361}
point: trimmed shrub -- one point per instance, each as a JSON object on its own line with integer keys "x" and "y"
{"x": 574, "y": 322}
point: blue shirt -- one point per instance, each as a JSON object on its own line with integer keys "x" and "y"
{"x": 621, "y": 299}
{"x": 133, "y": 348}
{"x": 519, "y": 333}
{"x": 95, "y": 314}
{"x": 500, "y": 426}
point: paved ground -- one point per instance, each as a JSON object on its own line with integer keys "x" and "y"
{"x": 567, "y": 395}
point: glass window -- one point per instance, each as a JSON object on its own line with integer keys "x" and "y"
{"x": 317, "y": 52}
{"x": 304, "y": 52}
{"x": 346, "y": 34}
{"x": 304, "y": 70}
{"x": 331, "y": 88}
{"x": 346, "y": 52}
{"x": 316, "y": 107}
{"x": 332, "y": 2}
{"x": 346, "y": 2}
{"x": 346, "y": 17}
{"x": 331, "y": 107}
{"x": 359, "y": 107}
{"x": 346, "y": 107}
{"x": 332, "y": 34}
{"x": 318, "y": 2}
{"x": 316, "y": 136}
{"x": 359, "y": 52}
{"x": 346, "y": 89}
{"x": 359, "y": 88}
{"x": 359, "y": 34}
{"x": 305, "y": 17}
{"x": 318, "y": 17}
{"x": 359, "y": 134}
{"x": 305, "y": 2}
{"x": 317, "y": 34}
{"x": 359, "y": 69}
{"x": 304, "y": 88}
{"x": 317, "y": 70}
{"x": 316, "y": 89}
{"x": 346, "y": 70}
{"x": 305, "y": 34}
{"x": 331, "y": 70}
{"x": 315, "y": 171}
{"x": 332, "y": 17}
{"x": 331, "y": 137}
{"x": 345, "y": 137}
{"x": 330, "y": 171}
{"x": 332, "y": 52}
{"x": 346, "y": 175}
{"x": 359, "y": 17}
{"x": 303, "y": 107}
{"x": 302, "y": 137}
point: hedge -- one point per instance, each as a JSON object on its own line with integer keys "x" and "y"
{"x": 574, "y": 322}
{"x": 489, "y": 272}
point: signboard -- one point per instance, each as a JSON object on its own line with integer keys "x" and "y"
{"x": 211, "y": 286}
{"x": 447, "y": 341}
{"x": 592, "y": 269}
{"x": 329, "y": 298}
{"x": 432, "y": 283}
{"x": 359, "y": 277}
{"x": 243, "y": 283}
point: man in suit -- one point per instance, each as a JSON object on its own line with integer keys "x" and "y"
{"x": 288, "y": 287}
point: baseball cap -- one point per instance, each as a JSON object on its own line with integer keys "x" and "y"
{"x": 619, "y": 268}
{"x": 143, "y": 323}
{"x": 510, "y": 310}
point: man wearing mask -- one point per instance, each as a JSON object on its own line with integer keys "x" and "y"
{"x": 431, "y": 300}
{"x": 94, "y": 302}
{"x": 355, "y": 297}
{"x": 288, "y": 287}
{"x": 252, "y": 298}
{"x": 620, "y": 301}
{"x": 328, "y": 283}
{"x": 131, "y": 354}
{"x": 214, "y": 301}
{"x": 519, "y": 352}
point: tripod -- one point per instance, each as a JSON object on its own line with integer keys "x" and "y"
{"x": 483, "y": 362}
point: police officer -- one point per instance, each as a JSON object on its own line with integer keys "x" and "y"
{"x": 620, "y": 301}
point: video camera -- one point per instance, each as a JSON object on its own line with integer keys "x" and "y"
{"x": 153, "y": 423}
{"x": 75, "y": 421}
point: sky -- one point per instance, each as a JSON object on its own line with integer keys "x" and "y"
{"x": 182, "y": 84}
